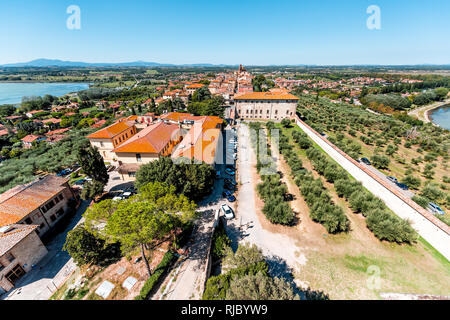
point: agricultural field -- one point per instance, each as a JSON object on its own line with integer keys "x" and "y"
{"x": 345, "y": 264}
{"x": 415, "y": 153}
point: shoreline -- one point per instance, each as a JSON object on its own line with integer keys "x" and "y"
{"x": 427, "y": 110}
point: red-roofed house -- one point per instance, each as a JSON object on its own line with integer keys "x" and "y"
{"x": 29, "y": 139}
{"x": 148, "y": 145}
{"x": 111, "y": 137}
{"x": 20, "y": 249}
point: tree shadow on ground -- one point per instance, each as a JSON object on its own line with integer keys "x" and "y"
{"x": 236, "y": 233}
{"x": 279, "y": 268}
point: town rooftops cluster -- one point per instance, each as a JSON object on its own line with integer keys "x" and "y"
{"x": 266, "y": 96}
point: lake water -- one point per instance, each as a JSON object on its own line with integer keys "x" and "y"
{"x": 441, "y": 116}
{"x": 12, "y": 93}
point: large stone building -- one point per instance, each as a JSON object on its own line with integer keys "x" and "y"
{"x": 146, "y": 146}
{"x": 42, "y": 202}
{"x": 20, "y": 249}
{"x": 274, "y": 106}
{"x": 111, "y": 137}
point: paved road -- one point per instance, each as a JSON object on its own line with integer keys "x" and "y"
{"x": 52, "y": 271}
{"x": 437, "y": 237}
{"x": 406, "y": 193}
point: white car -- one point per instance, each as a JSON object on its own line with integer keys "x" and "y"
{"x": 227, "y": 211}
{"x": 126, "y": 195}
{"x": 117, "y": 198}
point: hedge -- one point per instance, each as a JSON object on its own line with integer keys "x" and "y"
{"x": 162, "y": 267}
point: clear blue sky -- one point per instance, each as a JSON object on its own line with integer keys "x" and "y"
{"x": 209, "y": 31}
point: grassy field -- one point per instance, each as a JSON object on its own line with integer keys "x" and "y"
{"x": 356, "y": 265}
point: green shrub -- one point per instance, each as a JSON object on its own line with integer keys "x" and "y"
{"x": 162, "y": 267}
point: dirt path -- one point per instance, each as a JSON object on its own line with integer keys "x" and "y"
{"x": 422, "y": 113}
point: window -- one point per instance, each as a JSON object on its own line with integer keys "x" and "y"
{"x": 132, "y": 174}
{"x": 61, "y": 197}
{"x": 43, "y": 209}
{"x": 28, "y": 221}
{"x": 42, "y": 226}
{"x": 101, "y": 144}
{"x": 9, "y": 256}
{"x": 53, "y": 218}
{"x": 60, "y": 212}
{"x": 138, "y": 157}
{"x": 267, "y": 111}
{"x": 276, "y": 111}
{"x": 1, "y": 266}
{"x": 57, "y": 200}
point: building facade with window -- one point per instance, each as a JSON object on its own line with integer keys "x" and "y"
{"x": 148, "y": 145}
{"x": 42, "y": 202}
{"x": 111, "y": 137}
{"x": 20, "y": 249}
{"x": 274, "y": 106}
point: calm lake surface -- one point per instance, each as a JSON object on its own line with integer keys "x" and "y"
{"x": 12, "y": 93}
{"x": 441, "y": 116}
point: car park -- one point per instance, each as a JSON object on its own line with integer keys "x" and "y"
{"x": 227, "y": 211}
{"x": 435, "y": 208}
{"x": 392, "y": 179}
{"x": 366, "y": 161}
{"x": 402, "y": 186}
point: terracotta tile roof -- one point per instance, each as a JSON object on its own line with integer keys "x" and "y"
{"x": 52, "y": 120}
{"x": 176, "y": 116}
{"x": 30, "y": 138}
{"x": 152, "y": 139}
{"x": 98, "y": 124}
{"x": 19, "y": 201}
{"x": 58, "y": 131}
{"x": 14, "y": 234}
{"x": 266, "y": 96}
{"x": 199, "y": 144}
{"x": 111, "y": 131}
{"x": 195, "y": 86}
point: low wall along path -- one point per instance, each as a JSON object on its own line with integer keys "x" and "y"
{"x": 426, "y": 224}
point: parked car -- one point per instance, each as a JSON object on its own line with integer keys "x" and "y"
{"x": 227, "y": 194}
{"x": 80, "y": 182}
{"x": 230, "y": 172}
{"x": 435, "y": 208}
{"x": 392, "y": 179}
{"x": 235, "y": 156}
{"x": 230, "y": 181}
{"x": 402, "y": 186}
{"x": 117, "y": 198}
{"x": 218, "y": 174}
{"x": 366, "y": 161}
{"x": 229, "y": 187}
{"x": 126, "y": 195}
{"x": 227, "y": 211}
{"x": 231, "y": 198}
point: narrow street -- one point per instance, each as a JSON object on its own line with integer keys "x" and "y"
{"x": 185, "y": 282}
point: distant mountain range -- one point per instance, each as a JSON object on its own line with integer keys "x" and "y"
{"x": 42, "y": 63}
{"x": 61, "y": 63}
